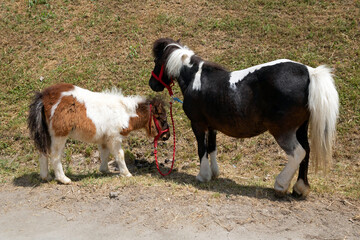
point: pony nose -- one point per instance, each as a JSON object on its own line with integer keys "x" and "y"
{"x": 165, "y": 136}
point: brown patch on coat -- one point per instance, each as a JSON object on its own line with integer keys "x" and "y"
{"x": 141, "y": 121}
{"x": 51, "y": 96}
{"x": 70, "y": 115}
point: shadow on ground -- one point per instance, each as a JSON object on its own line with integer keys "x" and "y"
{"x": 143, "y": 167}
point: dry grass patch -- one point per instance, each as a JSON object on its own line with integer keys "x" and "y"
{"x": 101, "y": 44}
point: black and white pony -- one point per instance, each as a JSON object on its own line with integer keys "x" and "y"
{"x": 283, "y": 97}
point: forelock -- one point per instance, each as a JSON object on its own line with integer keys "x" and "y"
{"x": 160, "y": 45}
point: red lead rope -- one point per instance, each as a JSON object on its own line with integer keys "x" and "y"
{"x": 156, "y": 143}
{"x": 168, "y": 87}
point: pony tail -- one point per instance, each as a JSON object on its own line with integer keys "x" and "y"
{"x": 39, "y": 131}
{"x": 324, "y": 110}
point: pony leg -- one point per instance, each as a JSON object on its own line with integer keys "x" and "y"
{"x": 104, "y": 156}
{"x": 44, "y": 170}
{"x": 211, "y": 149}
{"x": 302, "y": 187}
{"x": 116, "y": 150}
{"x": 205, "y": 171}
{"x": 57, "y": 146}
{"x": 296, "y": 154}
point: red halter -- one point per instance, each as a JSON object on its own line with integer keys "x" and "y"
{"x": 159, "y": 78}
{"x": 168, "y": 87}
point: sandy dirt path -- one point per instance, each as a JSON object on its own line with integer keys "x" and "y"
{"x": 51, "y": 211}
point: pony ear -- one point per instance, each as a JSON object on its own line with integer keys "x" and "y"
{"x": 159, "y": 46}
{"x": 183, "y": 57}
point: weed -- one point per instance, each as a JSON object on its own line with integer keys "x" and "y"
{"x": 133, "y": 52}
{"x": 33, "y": 3}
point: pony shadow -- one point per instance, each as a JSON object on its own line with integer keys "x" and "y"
{"x": 219, "y": 185}
{"x": 33, "y": 179}
{"x": 28, "y": 180}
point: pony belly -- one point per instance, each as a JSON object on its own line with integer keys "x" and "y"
{"x": 84, "y": 137}
{"x": 240, "y": 131}
{"x": 243, "y": 134}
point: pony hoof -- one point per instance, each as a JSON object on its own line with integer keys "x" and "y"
{"x": 104, "y": 171}
{"x": 301, "y": 190}
{"x": 215, "y": 172}
{"x": 280, "y": 191}
{"x": 126, "y": 174}
{"x": 64, "y": 180}
{"x": 47, "y": 178}
{"x": 203, "y": 178}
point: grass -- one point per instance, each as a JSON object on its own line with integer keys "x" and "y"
{"x": 103, "y": 44}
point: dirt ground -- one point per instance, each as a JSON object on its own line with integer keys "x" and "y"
{"x": 103, "y": 44}
{"x": 54, "y": 211}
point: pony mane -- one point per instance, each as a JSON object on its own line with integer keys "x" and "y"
{"x": 174, "y": 56}
{"x": 129, "y": 102}
{"x": 214, "y": 66}
{"x": 156, "y": 100}
{"x": 113, "y": 91}
{"x": 179, "y": 57}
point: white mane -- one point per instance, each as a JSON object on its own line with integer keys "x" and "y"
{"x": 177, "y": 59}
{"x": 129, "y": 102}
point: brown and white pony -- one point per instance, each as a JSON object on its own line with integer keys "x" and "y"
{"x": 64, "y": 110}
{"x": 283, "y": 97}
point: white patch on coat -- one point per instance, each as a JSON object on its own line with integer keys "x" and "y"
{"x": 283, "y": 180}
{"x": 237, "y": 76}
{"x": 214, "y": 165}
{"x": 205, "y": 171}
{"x": 197, "y": 79}
{"x": 53, "y": 108}
{"x": 177, "y": 59}
{"x": 110, "y": 111}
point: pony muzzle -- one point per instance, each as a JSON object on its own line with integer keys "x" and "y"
{"x": 163, "y": 131}
{"x": 163, "y": 135}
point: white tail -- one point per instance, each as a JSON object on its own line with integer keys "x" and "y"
{"x": 324, "y": 110}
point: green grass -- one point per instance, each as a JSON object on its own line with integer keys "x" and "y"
{"x": 103, "y": 44}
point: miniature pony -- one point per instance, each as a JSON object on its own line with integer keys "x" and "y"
{"x": 64, "y": 110}
{"x": 283, "y": 97}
